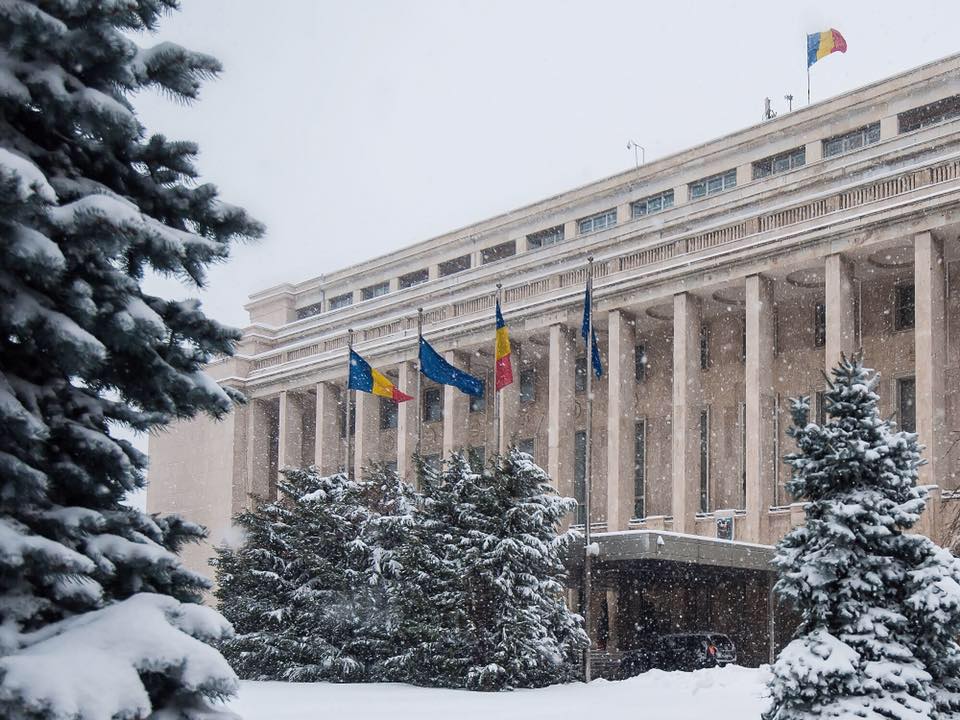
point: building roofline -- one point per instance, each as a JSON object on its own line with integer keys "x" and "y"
{"x": 727, "y": 143}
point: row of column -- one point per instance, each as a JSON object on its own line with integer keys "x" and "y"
{"x": 686, "y": 404}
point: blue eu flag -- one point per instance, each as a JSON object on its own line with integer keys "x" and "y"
{"x": 587, "y": 327}
{"x": 440, "y": 371}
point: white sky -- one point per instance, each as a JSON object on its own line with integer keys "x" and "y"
{"x": 354, "y": 128}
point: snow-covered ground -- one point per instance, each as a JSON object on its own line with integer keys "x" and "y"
{"x": 731, "y": 693}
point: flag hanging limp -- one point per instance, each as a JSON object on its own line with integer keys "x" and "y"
{"x": 365, "y": 379}
{"x": 821, "y": 44}
{"x": 587, "y": 327}
{"x": 504, "y": 366}
{"x": 440, "y": 371}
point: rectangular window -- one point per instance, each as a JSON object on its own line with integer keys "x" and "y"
{"x": 478, "y": 403}
{"x": 580, "y": 475}
{"x": 705, "y": 460}
{"x": 342, "y": 410}
{"x": 414, "y": 278}
{"x": 704, "y": 347}
{"x": 476, "y": 456}
{"x": 580, "y": 375}
{"x": 821, "y": 409}
{"x": 935, "y": 112}
{"x": 389, "y": 412}
{"x": 528, "y": 385}
{"x": 309, "y": 311}
{"x": 820, "y": 325}
{"x": 451, "y": 267}
{"x": 743, "y": 340}
{"x": 903, "y": 315}
{"x": 848, "y": 142}
{"x": 545, "y": 238}
{"x": 641, "y": 363}
{"x": 713, "y": 184}
{"x": 600, "y": 221}
{"x": 742, "y": 422}
{"x": 652, "y": 204}
{"x": 640, "y": 470}
{"x": 526, "y": 446}
{"x": 498, "y": 252}
{"x": 783, "y": 162}
{"x": 374, "y": 291}
{"x": 907, "y": 404}
{"x": 432, "y": 404}
{"x": 341, "y": 301}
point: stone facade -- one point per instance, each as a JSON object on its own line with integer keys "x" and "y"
{"x": 738, "y": 292}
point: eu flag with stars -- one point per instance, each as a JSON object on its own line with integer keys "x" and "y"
{"x": 587, "y": 327}
{"x": 440, "y": 371}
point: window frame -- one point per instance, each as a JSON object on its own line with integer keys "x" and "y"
{"x": 389, "y": 414}
{"x": 413, "y": 278}
{"x": 528, "y": 385}
{"x": 904, "y": 314}
{"x": 593, "y": 222}
{"x": 795, "y": 158}
{"x": 453, "y": 266}
{"x": 906, "y": 123}
{"x": 906, "y": 380}
{"x": 820, "y": 325}
{"x": 580, "y": 475}
{"x": 865, "y": 135}
{"x": 545, "y": 238}
{"x": 641, "y": 363}
{"x": 428, "y": 415}
{"x": 338, "y": 302}
{"x": 495, "y": 253}
{"x": 727, "y": 181}
{"x": 704, "y": 488}
{"x": 372, "y": 292}
{"x": 665, "y": 198}
{"x": 640, "y": 430}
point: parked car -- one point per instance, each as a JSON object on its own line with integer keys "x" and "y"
{"x": 686, "y": 651}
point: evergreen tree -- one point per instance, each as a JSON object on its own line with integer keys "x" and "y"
{"x": 296, "y": 589}
{"x": 492, "y": 563}
{"x": 880, "y": 607}
{"x": 89, "y": 204}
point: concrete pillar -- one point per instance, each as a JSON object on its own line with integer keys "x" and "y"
{"x": 687, "y": 399}
{"x": 570, "y": 230}
{"x": 621, "y": 419}
{"x": 407, "y": 423}
{"x": 613, "y": 622}
{"x": 260, "y": 484}
{"x": 290, "y": 452}
{"x": 760, "y": 400}
{"x": 838, "y": 273}
{"x": 930, "y": 345}
{"x": 510, "y": 402}
{"x": 366, "y": 441}
{"x": 560, "y": 409}
{"x": 328, "y": 445}
{"x": 456, "y": 408}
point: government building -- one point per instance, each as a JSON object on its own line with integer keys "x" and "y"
{"x": 727, "y": 278}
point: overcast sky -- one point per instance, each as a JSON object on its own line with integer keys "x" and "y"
{"x": 353, "y": 128}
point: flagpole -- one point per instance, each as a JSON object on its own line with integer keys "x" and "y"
{"x": 419, "y": 380}
{"x": 496, "y": 391}
{"x": 346, "y": 430}
{"x": 808, "y": 84}
{"x": 588, "y": 457}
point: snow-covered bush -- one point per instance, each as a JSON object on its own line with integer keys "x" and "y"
{"x": 96, "y": 611}
{"x": 880, "y": 607}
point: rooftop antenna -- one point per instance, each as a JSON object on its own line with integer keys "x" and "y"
{"x": 768, "y": 113}
{"x": 637, "y": 158}
{"x": 789, "y": 99}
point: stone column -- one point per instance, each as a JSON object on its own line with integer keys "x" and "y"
{"x": 560, "y": 409}
{"x": 613, "y": 619}
{"x": 259, "y": 417}
{"x": 621, "y": 419}
{"x": 456, "y": 407}
{"x": 838, "y": 272}
{"x": 407, "y": 422}
{"x": 290, "y": 449}
{"x": 366, "y": 441}
{"x": 760, "y": 400}
{"x": 328, "y": 445}
{"x": 510, "y": 402}
{"x": 929, "y": 338}
{"x": 687, "y": 399}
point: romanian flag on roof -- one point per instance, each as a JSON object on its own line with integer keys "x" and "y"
{"x": 504, "y": 367}
{"x": 365, "y": 379}
{"x": 821, "y": 44}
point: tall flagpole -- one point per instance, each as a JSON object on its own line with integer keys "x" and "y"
{"x": 346, "y": 430}
{"x": 419, "y": 381}
{"x": 588, "y": 457}
{"x": 496, "y": 391}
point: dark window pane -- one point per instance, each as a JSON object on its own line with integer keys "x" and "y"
{"x": 449, "y": 267}
{"x": 905, "y": 305}
{"x": 704, "y": 461}
{"x": 528, "y": 385}
{"x": 907, "y": 404}
{"x": 414, "y": 278}
{"x": 820, "y": 325}
{"x": 498, "y": 252}
{"x": 641, "y": 363}
{"x": 580, "y": 375}
{"x": 640, "y": 469}
{"x": 341, "y": 301}
{"x": 388, "y": 414}
{"x": 545, "y": 238}
{"x": 432, "y": 404}
{"x": 478, "y": 402}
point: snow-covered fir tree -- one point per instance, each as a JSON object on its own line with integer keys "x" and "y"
{"x": 880, "y": 607}
{"x": 301, "y": 579}
{"x": 495, "y": 576}
{"x": 97, "y": 613}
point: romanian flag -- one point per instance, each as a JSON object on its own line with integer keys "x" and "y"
{"x": 821, "y": 44}
{"x": 365, "y": 379}
{"x": 504, "y": 374}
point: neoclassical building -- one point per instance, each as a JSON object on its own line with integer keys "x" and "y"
{"x": 727, "y": 278}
